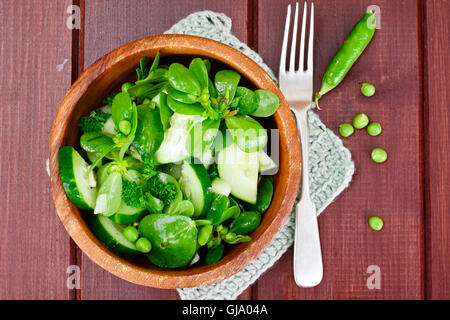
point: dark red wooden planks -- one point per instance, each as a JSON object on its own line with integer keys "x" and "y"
{"x": 437, "y": 149}
{"x": 393, "y": 190}
{"x": 109, "y": 24}
{"x": 35, "y": 61}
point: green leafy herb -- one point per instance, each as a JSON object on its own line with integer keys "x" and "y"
{"x": 94, "y": 122}
{"x": 132, "y": 194}
{"x": 166, "y": 192}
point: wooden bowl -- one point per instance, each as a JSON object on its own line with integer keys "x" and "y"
{"x": 106, "y": 75}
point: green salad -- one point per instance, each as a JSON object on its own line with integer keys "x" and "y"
{"x": 170, "y": 167}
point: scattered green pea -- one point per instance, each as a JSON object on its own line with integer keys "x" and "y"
{"x": 360, "y": 121}
{"x": 379, "y": 155}
{"x": 346, "y": 130}
{"x": 126, "y": 86}
{"x": 125, "y": 127}
{"x": 130, "y": 233}
{"x": 143, "y": 245}
{"x": 376, "y": 223}
{"x": 367, "y": 89}
{"x": 374, "y": 129}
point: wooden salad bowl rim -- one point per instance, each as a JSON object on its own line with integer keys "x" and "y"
{"x": 286, "y": 181}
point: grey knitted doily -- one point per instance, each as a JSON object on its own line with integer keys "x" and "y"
{"x": 331, "y": 165}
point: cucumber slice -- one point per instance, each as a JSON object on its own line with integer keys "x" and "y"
{"x": 75, "y": 179}
{"x": 240, "y": 170}
{"x": 127, "y": 215}
{"x": 196, "y": 186}
{"x": 173, "y": 147}
{"x": 220, "y": 186}
{"x": 265, "y": 162}
{"x": 111, "y": 234}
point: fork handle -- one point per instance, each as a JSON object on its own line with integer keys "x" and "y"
{"x": 308, "y": 267}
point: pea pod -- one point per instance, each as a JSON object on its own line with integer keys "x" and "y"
{"x": 122, "y": 110}
{"x": 149, "y": 132}
{"x": 246, "y": 223}
{"x": 353, "y": 47}
{"x": 164, "y": 111}
{"x": 248, "y": 101}
{"x": 183, "y": 108}
{"x": 264, "y": 196}
{"x": 201, "y": 137}
{"x": 227, "y": 81}
{"x": 268, "y": 103}
{"x": 182, "y": 79}
{"x": 214, "y": 254}
{"x": 248, "y": 134}
{"x": 198, "y": 68}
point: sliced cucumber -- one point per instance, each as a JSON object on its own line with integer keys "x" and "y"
{"x": 127, "y": 215}
{"x": 75, "y": 179}
{"x": 265, "y": 162}
{"x": 111, "y": 234}
{"x": 220, "y": 186}
{"x": 173, "y": 147}
{"x": 196, "y": 186}
{"x": 240, "y": 170}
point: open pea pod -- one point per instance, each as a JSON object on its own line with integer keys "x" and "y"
{"x": 201, "y": 136}
{"x": 182, "y": 79}
{"x": 267, "y": 105}
{"x": 96, "y": 142}
{"x": 181, "y": 96}
{"x": 248, "y": 101}
{"x": 164, "y": 111}
{"x": 248, "y": 133}
{"x": 227, "y": 81}
{"x": 198, "y": 68}
{"x": 122, "y": 111}
{"x": 183, "y": 108}
{"x": 149, "y": 132}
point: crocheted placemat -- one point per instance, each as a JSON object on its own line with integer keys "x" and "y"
{"x": 331, "y": 165}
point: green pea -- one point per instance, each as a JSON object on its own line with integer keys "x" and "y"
{"x": 376, "y": 223}
{"x": 126, "y": 86}
{"x": 360, "y": 121}
{"x": 143, "y": 245}
{"x": 131, "y": 233}
{"x": 346, "y": 130}
{"x": 367, "y": 89}
{"x": 379, "y": 155}
{"x": 125, "y": 127}
{"x": 374, "y": 129}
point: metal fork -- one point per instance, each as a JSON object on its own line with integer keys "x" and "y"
{"x": 297, "y": 87}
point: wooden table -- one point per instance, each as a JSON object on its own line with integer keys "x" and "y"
{"x": 408, "y": 61}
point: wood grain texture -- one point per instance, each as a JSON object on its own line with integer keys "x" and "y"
{"x": 34, "y": 247}
{"x": 437, "y": 148}
{"x": 393, "y": 190}
{"x": 102, "y": 34}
